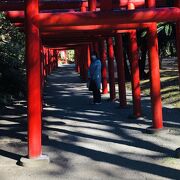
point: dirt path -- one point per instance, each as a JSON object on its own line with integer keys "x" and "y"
{"x": 89, "y": 141}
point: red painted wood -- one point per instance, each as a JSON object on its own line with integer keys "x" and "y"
{"x": 135, "y": 76}
{"x": 155, "y": 77}
{"x": 92, "y": 28}
{"x": 77, "y": 60}
{"x": 49, "y": 62}
{"x": 106, "y": 5}
{"x": 120, "y": 70}
{"x": 46, "y": 61}
{"x": 135, "y": 79}
{"x": 89, "y": 56}
{"x": 103, "y": 58}
{"x": 156, "y": 103}
{"x": 83, "y": 7}
{"x": 110, "y": 52}
{"x": 178, "y": 39}
{"x": 33, "y": 81}
{"x": 100, "y": 18}
{"x": 96, "y": 48}
{"x": 113, "y": 18}
{"x": 51, "y": 5}
{"x": 92, "y": 5}
{"x": 86, "y": 61}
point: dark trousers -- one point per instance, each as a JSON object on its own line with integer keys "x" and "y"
{"x": 96, "y": 95}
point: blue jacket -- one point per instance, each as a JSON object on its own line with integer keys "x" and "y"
{"x": 95, "y": 72}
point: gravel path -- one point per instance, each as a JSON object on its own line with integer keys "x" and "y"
{"x": 89, "y": 141}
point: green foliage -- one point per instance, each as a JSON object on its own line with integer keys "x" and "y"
{"x": 167, "y": 42}
{"x": 12, "y": 73}
{"x": 67, "y": 56}
{"x": 166, "y": 39}
{"x": 70, "y": 56}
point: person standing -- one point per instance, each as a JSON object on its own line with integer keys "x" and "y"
{"x": 94, "y": 73}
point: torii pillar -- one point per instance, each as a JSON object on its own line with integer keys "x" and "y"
{"x": 33, "y": 86}
{"x": 110, "y": 51}
{"x": 120, "y": 70}
{"x": 103, "y": 69}
{"x": 135, "y": 76}
{"x": 154, "y": 74}
{"x": 47, "y": 70}
{"x": 92, "y": 5}
{"x": 177, "y": 4}
{"x": 77, "y": 66}
{"x": 49, "y": 62}
{"x": 107, "y": 6}
{"x": 96, "y": 48}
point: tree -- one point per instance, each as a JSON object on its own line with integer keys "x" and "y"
{"x": 12, "y": 66}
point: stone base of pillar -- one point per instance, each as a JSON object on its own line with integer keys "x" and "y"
{"x": 133, "y": 117}
{"x": 177, "y": 153}
{"x": 124, "y": 106}
{"x": 152, "y": 130}
{"x": 45, "y": 137}
{"x": 37, "y": 162}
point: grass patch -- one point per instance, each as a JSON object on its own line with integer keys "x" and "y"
{"x": 170, "y": 90}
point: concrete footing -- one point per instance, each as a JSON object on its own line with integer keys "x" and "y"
{"x": 151, "y": 130}
{"x": 177, "y": 152}
{"x": 133, "y": 117}
{"x": 40, "y": 161}
{"x": 45, "y": 137}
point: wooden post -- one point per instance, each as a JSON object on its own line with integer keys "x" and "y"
{"x": 154, "y": 73}
{"x": 110, "y": 51}
{"x": 33, "y": 80}
{"x": 103, "y": 58}
{"x": 120, "y": 70}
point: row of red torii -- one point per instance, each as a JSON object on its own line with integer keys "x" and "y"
{"x": 86, "y": 25}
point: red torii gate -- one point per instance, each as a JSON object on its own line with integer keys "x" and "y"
{"x": 37, "y": 22}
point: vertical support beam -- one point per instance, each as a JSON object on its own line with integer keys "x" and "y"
{"x": 33, "y": 80}
{"x": 49, "y": 61}
{"x": 103, "y": 69}
{"x": 150, "y": 3}
{"x": 120, "y": 70}
{"x": 96, "y": 48}
{"x": 154, "y": 73}
{"x": 55, "y": 58}
{"x": 46, "y": 61}
{"x": 177, "y": 4}
{"x": 83, "y": 7}
{"x": 110, "y": 51}
{"x": 105, "y": 5}
{"x": 155, "y": 77}
{"x": 81, "y": 62}
{"x": 58, "y": 55}
{"x": 65, "y": 53}
{"x": 91, "y": 47}
{"x": 92, "y": 5}
{"x": 135, "y": 76}
{"x": 89, "y": 56}
{"x": 42, "y": 65}
{"x": 85, "y": 64}
{"x": 77, "y": 61}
